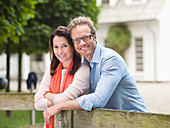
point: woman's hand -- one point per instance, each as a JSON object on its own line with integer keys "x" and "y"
{"x": 50, "y": 112}
{"x": 55, "y": 109}
{"x": 47, "y": 117}
{"x": 50, "y": 97}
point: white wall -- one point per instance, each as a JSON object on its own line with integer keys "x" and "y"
{"x": 164, "y": 48}
{"x": 47, "y": 61}
{"x": 150, "y": 34}
{"x": 3, "y": 66}
{"x": 25, "y": 66}
{"x": 138, "y": 29}
{"x": 14, "y": 66}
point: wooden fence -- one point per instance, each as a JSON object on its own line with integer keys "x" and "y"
{"x": 97, "y": 118}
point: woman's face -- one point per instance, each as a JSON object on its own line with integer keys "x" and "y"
{"x": 62, "y": 50}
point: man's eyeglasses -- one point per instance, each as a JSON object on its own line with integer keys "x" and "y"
{"x": 84, "y": 38}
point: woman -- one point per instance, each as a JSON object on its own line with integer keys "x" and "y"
{"x": 67, "y": 78}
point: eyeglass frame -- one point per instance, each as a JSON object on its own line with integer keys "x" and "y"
{"x": 83, "y": 38}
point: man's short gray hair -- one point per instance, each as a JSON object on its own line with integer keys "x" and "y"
{"x": 81, "y": 20}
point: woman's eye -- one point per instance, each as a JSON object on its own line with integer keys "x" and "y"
{"x": 55, "y": 46}
{"x": 65, "y": 45}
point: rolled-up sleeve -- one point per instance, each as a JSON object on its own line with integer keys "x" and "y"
{"x": 105, "y": 77}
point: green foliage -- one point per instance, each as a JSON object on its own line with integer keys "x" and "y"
{"x": 59, "y": 12}
{"x": 19, "y": 119}
{"x": 119, "y": 38}
{"x": 14, "y": 14}
{"x": 51, "y": 14}
{"x": 36, "y": 39}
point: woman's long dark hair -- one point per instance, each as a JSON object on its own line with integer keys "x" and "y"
{"x": 63, "y": 32}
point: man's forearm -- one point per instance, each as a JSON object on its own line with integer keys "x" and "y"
{"x": 55, "y": 109}
{"x": 66, "y": 105}
{"x": 69, "y": 105}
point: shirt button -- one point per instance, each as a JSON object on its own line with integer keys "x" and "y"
{"x": 91, "y": 81}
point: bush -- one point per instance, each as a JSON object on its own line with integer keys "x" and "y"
{"x": 119, "y": 38}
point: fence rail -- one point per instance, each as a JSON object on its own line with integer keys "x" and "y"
{"x": 17, "y": 101}
{"x": 97, "y": 118}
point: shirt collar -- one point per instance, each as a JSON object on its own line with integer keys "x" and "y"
{"x": 96, "y": 55}
{"x": 85, "y": 61}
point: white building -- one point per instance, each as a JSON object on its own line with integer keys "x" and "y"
{"x": 32, "y": 63}
{"x": 149, "y": 23}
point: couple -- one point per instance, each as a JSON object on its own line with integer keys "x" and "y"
{"x": 103, "y": 73}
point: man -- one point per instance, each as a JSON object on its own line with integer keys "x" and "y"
{"x": 112, "y": 85}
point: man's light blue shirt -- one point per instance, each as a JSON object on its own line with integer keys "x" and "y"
{"x": 112, "y": 85}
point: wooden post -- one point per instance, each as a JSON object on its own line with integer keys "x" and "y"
{"x": 32, "y": 117}
{"x": 64, "y": 119}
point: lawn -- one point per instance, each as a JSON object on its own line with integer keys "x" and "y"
{"x": 19, "y": 119}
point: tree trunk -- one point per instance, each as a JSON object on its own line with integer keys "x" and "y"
{"x": 8, "y": 50}
{"x": 19, "y": 66}
{"x": 8, "y": 65}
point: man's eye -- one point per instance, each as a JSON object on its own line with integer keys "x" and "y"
{"x": 85, "y": 38}
{"x": 65, "y": 45}
{"x": 76, "y": 39}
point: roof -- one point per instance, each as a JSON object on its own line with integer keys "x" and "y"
{"x": 130, "y": 13}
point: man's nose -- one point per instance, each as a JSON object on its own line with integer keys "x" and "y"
{"x": 82, "y": 42}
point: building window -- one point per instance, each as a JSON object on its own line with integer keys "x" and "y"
{"x": 105, "y": 1}
{"x": 135, "y": 2}
{"x": 139, "y": 54}
{"x": 38, "y": 57}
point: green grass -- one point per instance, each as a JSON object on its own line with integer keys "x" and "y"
{"x": 3, "y": 90}
{"x": 19, "y": 119}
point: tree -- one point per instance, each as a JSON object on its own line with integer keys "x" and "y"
{"x": 13, "y": 16}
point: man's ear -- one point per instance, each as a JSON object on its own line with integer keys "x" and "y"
{"x": 94, "y": 36}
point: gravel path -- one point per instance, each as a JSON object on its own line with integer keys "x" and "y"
{"x": 156, "y": 96}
